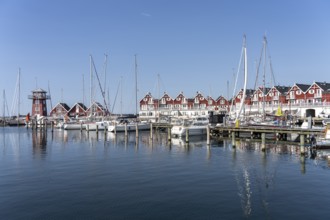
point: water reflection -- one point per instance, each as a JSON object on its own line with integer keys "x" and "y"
{"x": 39, "y": 143}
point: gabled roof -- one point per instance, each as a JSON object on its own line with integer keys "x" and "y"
{"x": 220, "y": 97}
{"x": 261, "y": 89}
{"x": 282, "y": 89}
{"x": 249, "y": 92}
{"x": 180, "y": 95}
{"x": 303, "y": 87}
{"x": 64, "y": 105}
{"x": 323, "y": 85}
{"x": 82, "y": 105}
{"x": 165, "y": 95}
{"x": 79, "y": 104}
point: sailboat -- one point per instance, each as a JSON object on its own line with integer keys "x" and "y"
{"x": 17, "y": 120}
{"x": 124, "y": 124}
{"x": 237, "y": 117}
{"x": 263, "y": 118}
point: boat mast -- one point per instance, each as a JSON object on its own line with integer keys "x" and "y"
{"x": 264, "y": 81}
{"x": 50, "y": 99}
{"x": 158, "y": 76}
{"x": 19, "y": 91}
{"x": 91, "y": 83}
{"x": 135, "y": 85}
{"x": 245, "y": 78}
{"x": 4, "y": 107}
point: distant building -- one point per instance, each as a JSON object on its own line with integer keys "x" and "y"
{"x": 97, "y": 110}
{"x": 39, "y": 104}
{"x": 78, "y": 110}
{"x": 60, "y": 110}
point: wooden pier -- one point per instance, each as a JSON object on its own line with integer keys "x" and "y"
{"x": 305, "y": 137}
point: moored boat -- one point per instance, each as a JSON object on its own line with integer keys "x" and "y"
{"x": 120, "y": 125}
{"x": 195, "y": 126}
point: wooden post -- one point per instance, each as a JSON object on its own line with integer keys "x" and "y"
{"x": 151, "y": 131}
{"x": 136, "y": 130}
{"x": 81, "y": 127}
{"x": 125, "y": 129}
{"x": 169, "y": 133}
{"x": 87, "y": 128}
{"x": 52, "y": 125}
{"x": 263, "y": 141}
{"x": 302, "y": 144}
{"x": 187, "y": 135}
{"x": 233, "y": 139}
{"x": 97, "y": 129}
{"x": 208, "y": 135}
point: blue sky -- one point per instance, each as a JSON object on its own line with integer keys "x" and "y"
{"x": 181, "y": 45}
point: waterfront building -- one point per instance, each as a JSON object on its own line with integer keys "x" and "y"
{"x": 318, "y": 92}
{"x": 296, "y": 93}
{"x": 96, "y": 109}
{"x": 77, "y": 110}
{"x": 60, "y": 110}
{"x": 259, "y": 96}
{"x": 222, "y": 105}
{"x": 293, "y": 100}
{"x": 39, "y": 104}
{"x": 277, "y": 95}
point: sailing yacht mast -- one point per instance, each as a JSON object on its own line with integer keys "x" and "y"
{"x": 91, "y": 83}
{"x": 19, "y": 92}
{"x": 264, "y": 81}
{"x": 136, "y": 86}
{"x": 245, "y": 79}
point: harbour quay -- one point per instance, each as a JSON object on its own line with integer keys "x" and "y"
{"x": 305, "y": 137}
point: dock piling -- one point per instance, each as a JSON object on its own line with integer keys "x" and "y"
{"x": 233, "y": 139}
{"x": 263, "y": 141}
{"x": 151, "y": 131}
{"x": 136, "y": 130}
{"x": 208, "y": 135}
{"x": 187, "y": 135}
{"x": 169, "y": 134}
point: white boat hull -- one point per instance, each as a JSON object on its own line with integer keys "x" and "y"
{"x": 73, "y": 126}
{"x": 181, "y": 131}
{"x": 129, "y": 127}
{"x": 96, "y": 126}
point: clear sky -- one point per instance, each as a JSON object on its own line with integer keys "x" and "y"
{"x": 181, "y": 45}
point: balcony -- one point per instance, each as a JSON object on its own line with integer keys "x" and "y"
{"x": 317, "y": 96}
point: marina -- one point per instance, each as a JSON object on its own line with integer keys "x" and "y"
{"x": 164, "y": 110}
{"x": 106, "y": 175}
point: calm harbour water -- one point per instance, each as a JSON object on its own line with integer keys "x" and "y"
{"x": 73, "y": 175}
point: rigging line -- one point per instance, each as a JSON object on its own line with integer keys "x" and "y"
{"x": 50, "y": 100}
{"x": 114, "y": 101}
{"x": 15, "y": 98}
{"x": 272, "y": 72}
{"x": 102, "y": 92}
{"x": 235, "y": 85}
{"x": 105, "y": 69}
